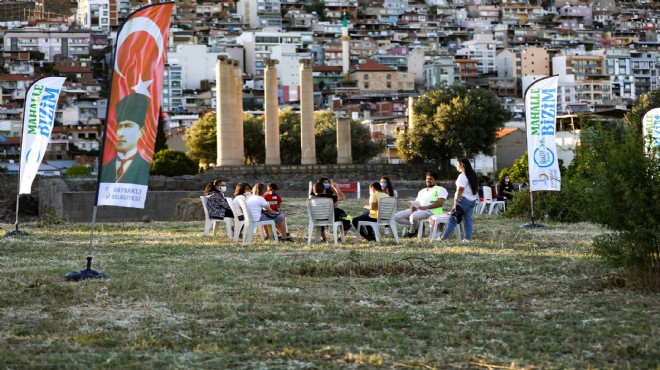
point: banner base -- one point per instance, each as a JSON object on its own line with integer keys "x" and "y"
{"x": 16, "y": 232}
{"x": 531, "y": 225}
{"x": 85, "y": 274}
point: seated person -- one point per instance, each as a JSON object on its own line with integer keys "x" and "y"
{"x": 217, "y": 204}
{"x": 506, "y": 188}
{"x": 375, "y": 193}
{"x": 428, "y": 202}
{"x": 242, "y": 191}
{"x": 386, "y": 184}
{"x": 260, "y": 211}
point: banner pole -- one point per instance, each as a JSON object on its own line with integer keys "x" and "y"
{"x": 87, "y": 273}
{"x": 531, "y": 203}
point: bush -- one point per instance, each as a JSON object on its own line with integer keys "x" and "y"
{"x": 170, "y": 162}
{"x": 77, "y": 170}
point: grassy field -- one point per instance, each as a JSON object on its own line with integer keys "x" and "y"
{"x": 514, "y": 298}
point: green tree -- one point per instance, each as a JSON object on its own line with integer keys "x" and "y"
{"x": 161, "y": 138}
{"x": 519, "y": 170}
{"x": 290, "y": 137}
{"x": 201, "y": 139}
{"x": 325, "y": 129}
{"x": 452, "y": 121}
{"x": 170, "y": 162}
{"x": 643, "y": 104}
{"x": 77, "y": 169}
{"x": 254, "y": 142}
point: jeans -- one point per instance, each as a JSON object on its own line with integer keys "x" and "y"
{"x": 468, "y": 223}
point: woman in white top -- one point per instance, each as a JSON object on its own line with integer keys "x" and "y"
{"x": 260, "y": 210}
{"x": 467, "y": 193}
{"x": 243, "y": 191}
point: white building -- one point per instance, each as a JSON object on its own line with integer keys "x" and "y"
{"x": 96, "y": 15}
{"x": 55, "y": 44}
{"x": 260, "y": 13}
{"x": 482, "y": 48}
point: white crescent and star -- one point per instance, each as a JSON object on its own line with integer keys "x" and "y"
{"x": 140, "y": 24}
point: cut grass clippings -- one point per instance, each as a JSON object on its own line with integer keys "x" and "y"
{"x": 514, "y": 298}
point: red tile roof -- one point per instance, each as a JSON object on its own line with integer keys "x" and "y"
{"x": 371, "y": 66}
{"x": 503, "y": 132}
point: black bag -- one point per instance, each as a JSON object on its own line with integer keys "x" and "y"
{"x": 341, "y": 215}
{"x": 457, "y": 214}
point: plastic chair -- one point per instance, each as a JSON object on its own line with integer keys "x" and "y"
{"x": 443, "y": 220}
{"x": 386, "y": 212}
{"x": 492, "y": 203}
{"x": 251, "y": 225}
{"x": 321, "y": 213}
{"x": 238, "y": 224}
{"x": 211, "y": 222}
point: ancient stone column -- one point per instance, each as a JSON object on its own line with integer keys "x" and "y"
{"x": 239, "y": 149}
{"x": 411, "y": 113}
{"x": 223, "y": 114}
{"x": 272, "y": 113}
{"x": 344, "y": 155}
{"x": 307, "y": 139}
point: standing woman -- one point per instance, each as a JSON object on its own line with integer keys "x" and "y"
{"x": 466, "y": 198}
{"x": 386, "y": 184}
{"x": 217, "y": 204}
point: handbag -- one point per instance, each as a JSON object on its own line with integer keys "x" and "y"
{"x": 457, "y": 214}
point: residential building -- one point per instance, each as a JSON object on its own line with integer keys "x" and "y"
{"x": 260, "y": 13}
{"x": 372, "y": 77}
{"x": 97, "y": 15}
{"x": 55, "y": 44}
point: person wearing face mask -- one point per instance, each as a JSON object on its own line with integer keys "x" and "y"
{"x": 386, "y": 184}
{"x": 506, "y": 189}
{"x": 217, "y": 204}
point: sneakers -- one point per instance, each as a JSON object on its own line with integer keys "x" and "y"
{"x": 410, "y": 234}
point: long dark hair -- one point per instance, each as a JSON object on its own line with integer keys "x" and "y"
{"x": 389, "y": 189}
{"x": 471, "y": 175}
{"x": 209, "y": 188}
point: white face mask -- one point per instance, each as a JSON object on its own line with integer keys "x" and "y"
{"x": 248, "y": 193}
{"x": 223, "y": 189}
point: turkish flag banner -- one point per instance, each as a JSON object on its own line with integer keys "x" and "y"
{"x": 133, "y": 108}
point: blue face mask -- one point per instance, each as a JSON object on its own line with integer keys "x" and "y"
{"x": 327, "y": 186}
{"x": 383, "y": 185}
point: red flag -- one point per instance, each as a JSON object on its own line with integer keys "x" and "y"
{"x": 135, "y": 97}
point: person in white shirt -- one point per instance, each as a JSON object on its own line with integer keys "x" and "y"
{"x": 243, "y": 191}
{"x": 260, "y": 210}
{"x": 428, "y": 202}
{"x": 467, "y": 193}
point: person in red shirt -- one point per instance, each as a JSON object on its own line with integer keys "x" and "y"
{"x": 273, "y": 198}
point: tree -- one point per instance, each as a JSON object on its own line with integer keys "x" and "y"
{"x": 325, "y": 129}
{"x": 643, "y": 104}
{"x": 254, "y": 142}
{"x": 77, "y": 169}
{"x": 161, "y": 138}
{"x": 201, "y": 139}
{"x": 452, "y": 121}
{"x": 170, "y": 162}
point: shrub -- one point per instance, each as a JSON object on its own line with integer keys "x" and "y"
{"x": 77, "y": 170}
{"x": 170, "y": 162}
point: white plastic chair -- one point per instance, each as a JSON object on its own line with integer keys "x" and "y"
{"x": 210, "y": 222}
{"x": 321, "y": 213}
{"x": 492, "y": 203}
{"x": 443, "y": 219}
{"x": 386, "y": 212}
{"x": 238, "y": 224}
{"x": 251, "y": 225}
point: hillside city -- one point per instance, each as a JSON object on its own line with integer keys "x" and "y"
{"x": 369, "y": 58}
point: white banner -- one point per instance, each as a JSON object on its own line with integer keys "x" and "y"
{"x": 38, "y": 117}
{"x": 651, "y": 130}
{"x": 540, "y": 116}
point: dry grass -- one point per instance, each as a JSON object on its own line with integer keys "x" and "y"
{"x": 513, "y": 299}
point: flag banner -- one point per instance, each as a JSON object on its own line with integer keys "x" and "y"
{"x": 651, "y": 130}
{"x": 38, "y": 118}
{"x": 540, "y": 117}
{"x": 133, "y": 108}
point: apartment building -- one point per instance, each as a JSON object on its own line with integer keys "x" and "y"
{"x": 260, "y": 13}
{"x": 97, "y": 15}
{"x": 619, "y": 68}
{"x": 55, "y": 44}
{"x": 645, "y": 70}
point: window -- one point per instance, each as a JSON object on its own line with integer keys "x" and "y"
{"x": 389, "y": 77}
{"x": 366, "y": 76}
{"x": 389, "y": 84}
{"x": 366, "y": 84}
